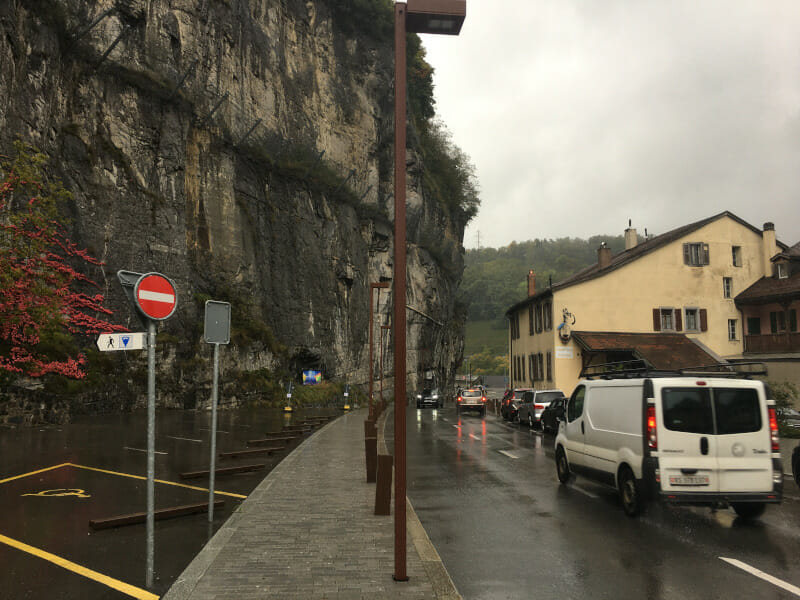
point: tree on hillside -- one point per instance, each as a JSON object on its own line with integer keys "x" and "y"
{"x": 42, "y": 299}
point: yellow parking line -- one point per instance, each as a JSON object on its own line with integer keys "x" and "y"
{"x": 34, "y": 472}
{"x": 129, "y": 590}
{"x": 183, "y": 485}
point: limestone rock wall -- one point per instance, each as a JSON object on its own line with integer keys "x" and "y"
{"x": 243, "y": 148}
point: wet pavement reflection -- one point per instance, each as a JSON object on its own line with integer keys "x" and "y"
{"x": 55, "y": 479}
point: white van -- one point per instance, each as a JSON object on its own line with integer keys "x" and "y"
{"x": 680, "y": 439}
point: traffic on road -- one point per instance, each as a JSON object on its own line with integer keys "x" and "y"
{"x": 487, "y": 492}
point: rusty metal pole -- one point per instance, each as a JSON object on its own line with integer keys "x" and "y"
{"x": 371, "y": 410}
{"x": 400, "y": 292}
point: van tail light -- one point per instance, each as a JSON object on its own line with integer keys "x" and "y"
{"x": 652, "y": 438}
{"x": 773, "y": 430}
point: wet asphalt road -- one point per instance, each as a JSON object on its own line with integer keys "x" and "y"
{"x": 487, "y": 493}
{"x": 54, "y": 479}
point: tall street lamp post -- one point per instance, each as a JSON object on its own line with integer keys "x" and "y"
{"x": 372, "y": 286}
{"x": 418, "y": 16}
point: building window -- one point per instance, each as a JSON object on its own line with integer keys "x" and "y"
{"x": 727, "y": 287}
{"x": 514, "y": 325}
{"x": 777, "y": 321}
{"x": 547, "y": 315}
{"x": 540, "y": 366}
{"x": 538, "y": 318}
{"x": 753, "y": 326}
{"x": 695, "y": 255}
{"x": 793, "y": 321}
{"x": 530, "y": 319}
{"x": 549, "y": 367}
{"x": 692, "y": 319}
{"x": 732, "y": 329}
{"x": 781, "y": 270}
{"x": 736, "y": 251}
{"x": 667, "y": 319}
{"x": 531, "y": 367}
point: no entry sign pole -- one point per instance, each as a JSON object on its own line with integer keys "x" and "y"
{"x": 155, "y": 299}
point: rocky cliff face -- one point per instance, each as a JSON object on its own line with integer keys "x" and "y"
{"x": 242, "y": 148}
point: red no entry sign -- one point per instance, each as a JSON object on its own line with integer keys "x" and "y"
{"x": 155, "y": 296}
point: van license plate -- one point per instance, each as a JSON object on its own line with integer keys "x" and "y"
{"x": 693, "y": 480}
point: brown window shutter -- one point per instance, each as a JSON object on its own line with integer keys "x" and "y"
{"x": 705, "y": 254}
{"x": 678, "y": 320}
{"x": 703, "y": 319}
{"x": 686, "y": 256}
{"x": 656, "y": 319}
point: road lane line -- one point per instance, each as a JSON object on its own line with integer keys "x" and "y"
{"x": 172, "y": 437}
{"x": 116, "y": 584}
{"x": 183, "y": 485}
{"x": 765, "y": 576}
{"x": 508, "y": 454}
{"x": 34, "y": 472}
{"x": 474, "y": 437}
{"x": 586, "y": 492}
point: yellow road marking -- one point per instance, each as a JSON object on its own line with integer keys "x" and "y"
{"x": 34, "y": 472}
{"x": 116, "y": 584}
{"x": 62, "y": 492}
{"x": 183, "y": 485}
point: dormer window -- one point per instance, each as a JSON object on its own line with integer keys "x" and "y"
{"x": 781, "y": 270}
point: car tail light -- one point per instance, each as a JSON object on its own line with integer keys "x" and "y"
{"x": 539, "y": 406}
{"x": 483, "y": 398}
{"x": 459, "y": 398}
{"x": 773, "y": 430}
{"x": 652, "y": 438}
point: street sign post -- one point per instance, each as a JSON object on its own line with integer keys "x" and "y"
{"x": 217, "y": 331}
{"x": 112, "y": 342}
{"x": 155, "y": 299}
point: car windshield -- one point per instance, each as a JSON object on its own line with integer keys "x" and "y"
{"x": 472, "y": 394}
{"x": 427, "y": 392}
{"x": 548, "y": 396}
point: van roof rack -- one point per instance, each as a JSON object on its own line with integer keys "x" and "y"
{"x": 637, "y": 368}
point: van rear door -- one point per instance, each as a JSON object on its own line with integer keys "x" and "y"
{"x": 686, "y": 442}
{"x": 743, "y": 438}
{"x": 714, "y": 438}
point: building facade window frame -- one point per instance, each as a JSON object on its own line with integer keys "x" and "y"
{"x": 736, "y": 255}
{"x": 732, "y": 326}
{"x": 691, "y": 318}
{"x": 695, "y": 254}
{"x": 727, "y": 287}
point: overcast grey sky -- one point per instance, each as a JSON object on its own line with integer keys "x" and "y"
{"x": 582, "y": 114}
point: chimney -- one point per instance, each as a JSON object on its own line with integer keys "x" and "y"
{"x": 531, "y": 283}
{"x": 768, "y": 247}
{"x": 603, "y": 256}
{"x": 630, "y": 237}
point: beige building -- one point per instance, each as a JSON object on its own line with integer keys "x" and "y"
{"x": 667, "y": 300}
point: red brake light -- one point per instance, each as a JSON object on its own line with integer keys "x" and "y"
{"x": 459, "y": 398}
{"x": 652, "y": 438}
{"x": 700, "y": 382}
{"x": 773, "y": 430}
{"x": 483, "y": 398}
{"x": 538, "y": 406}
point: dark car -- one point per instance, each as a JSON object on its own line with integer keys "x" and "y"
{"x": 511, "y": 401}
{"x": 796, "y": 465}
{"x": 552, "y": 414}
{"x": 530, "y": 411}
{"x": 430, "y": 397}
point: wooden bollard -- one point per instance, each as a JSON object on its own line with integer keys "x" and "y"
{"x": 383, "y": 487}
{"x": 371, "y": 449}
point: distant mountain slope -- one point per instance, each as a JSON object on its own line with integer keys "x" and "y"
{"x": 496, "y": 278}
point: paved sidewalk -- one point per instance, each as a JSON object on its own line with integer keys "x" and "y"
{"x": 308, "y": 531}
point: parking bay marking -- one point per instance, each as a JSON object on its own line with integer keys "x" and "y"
{"x": 141, "y": 450}
{"x": 172, "y": 437}
{"x": 116, "y": 584}
{"x": 509, "y": 454}
{"x": 762, "y": 575}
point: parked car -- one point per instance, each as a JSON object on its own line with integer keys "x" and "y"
{"x": 553, "y": 414}
{"x": 796, "y": 465}
{"x": 533, "y": 404}
{"x": 430, "y": 397}
{"x": 511, "y": 401}
{"x": 680, "y": 439}
{"x": 471, "y": 399}
{"x": 789, "y": 417}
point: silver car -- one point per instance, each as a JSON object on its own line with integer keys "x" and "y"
{"x": 533, "y": 405}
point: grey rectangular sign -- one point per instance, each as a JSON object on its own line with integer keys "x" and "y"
{"x": 217, "y": 322}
